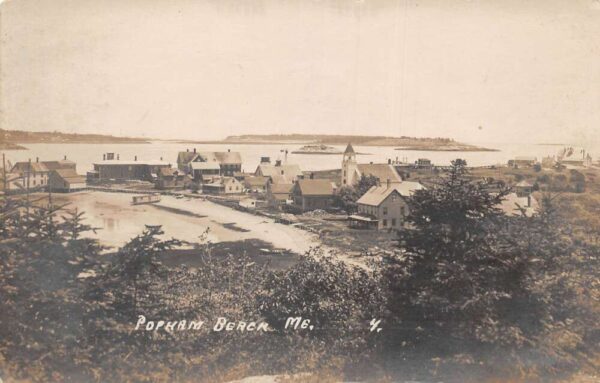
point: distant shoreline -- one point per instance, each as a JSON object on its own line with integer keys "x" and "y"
{"x": 11, "y": 146}
{"x": 417, "y": 146}
{"x": 13, "y": 139}
{"x": 453, "y": 149}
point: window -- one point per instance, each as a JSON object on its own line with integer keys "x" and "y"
{"x": 385, "y": 223}
{"x": 33, "y": 182}
{"x": 385, "y": 211}
{"x": 393, "y": 221}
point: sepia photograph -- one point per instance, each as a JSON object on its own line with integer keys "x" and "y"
{"x": 300, "y": 191}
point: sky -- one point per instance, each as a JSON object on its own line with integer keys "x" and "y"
{"x": 475, "y": 71}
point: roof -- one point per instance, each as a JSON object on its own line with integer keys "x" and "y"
{"x": 525, "y": 158}
{"x": 291, "y": 171}
{"x": 129, "y": 163}
{"x": 220, "y": 181}
{"x": 315, "y": 187}
{"x": 69, "y": 175}
{"x": 377, "y": 194}
{"x": 362, "y": 218}
{"x": 61, "y": 164}
{"x": 282, "y": 188}
{"x": 168, "y": 172}
{"x": 223, "y": 158}
{"x": 185, "y": 157}
{"x": 383, "y": 172}
{"x": 524, "y": 183}
{"x": 228, "y": 158}
{"x": 208, "y": 165}
{"x": 255, "y": 181}
{"x": 23, "y": 166}
{"x": 349, "y": 149}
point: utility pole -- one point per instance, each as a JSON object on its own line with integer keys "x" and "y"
{"x": 27, "y": 182}
{"x": 4, "y": 172}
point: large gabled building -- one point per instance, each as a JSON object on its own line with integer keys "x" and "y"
{"x": 34, "y": 174}
{"x": 280, "y": 172}
{"x": 229, "y": 162}
{"x": 384, "y": 206}
{"x": 353, "y": 171}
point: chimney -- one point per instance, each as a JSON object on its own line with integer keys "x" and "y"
{"x": 118, "y": 157}
{"x": 187, "y": 149}
{"x": 135, "y": 158}
{"x": 278, "y": 163}
{"x": 37, "y": 159}
{"x": 388, "y": 183}
{"x": 194, "y": 150}
{"x": 104, "y": 157}
{"x": 65, "y": 157}
{"x": 389, "y": 161}
{"x": 228, "y": 150}
{"x": 161, "y": 158}
{"x": 312, "y": 176}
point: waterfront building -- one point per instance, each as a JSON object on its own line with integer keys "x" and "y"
{"x": 111, "y": 168}
{"x": 522, "y": 161}
{"x": 229, "y": 162}
{"x": 34, "y": 174}
{"x": 65, "y": 180}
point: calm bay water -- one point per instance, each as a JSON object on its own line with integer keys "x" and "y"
{"x": 85, "y": 154}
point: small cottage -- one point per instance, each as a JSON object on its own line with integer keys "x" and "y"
{"x": 65, "y": 181}
{"x": 223, "y": 185}
{"x": 312, "y": 194}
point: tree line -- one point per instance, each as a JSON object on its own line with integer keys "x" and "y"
{"x": 473, "y": 295}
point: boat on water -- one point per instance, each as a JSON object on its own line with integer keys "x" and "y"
{"x": 146, "y": 198}
{"x": 317, "y": 149}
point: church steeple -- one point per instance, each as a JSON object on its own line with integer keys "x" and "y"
{"x": 349, "y": 167}
{"x": 349, "y": 149}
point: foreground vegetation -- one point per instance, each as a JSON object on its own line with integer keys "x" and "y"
{"x": 475, "y": 296}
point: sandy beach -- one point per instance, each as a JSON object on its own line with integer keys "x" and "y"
{"x": 184, "y": 219}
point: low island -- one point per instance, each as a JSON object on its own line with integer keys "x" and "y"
{"x": 317, "y": 149}
{"x": 315, "y": 140}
